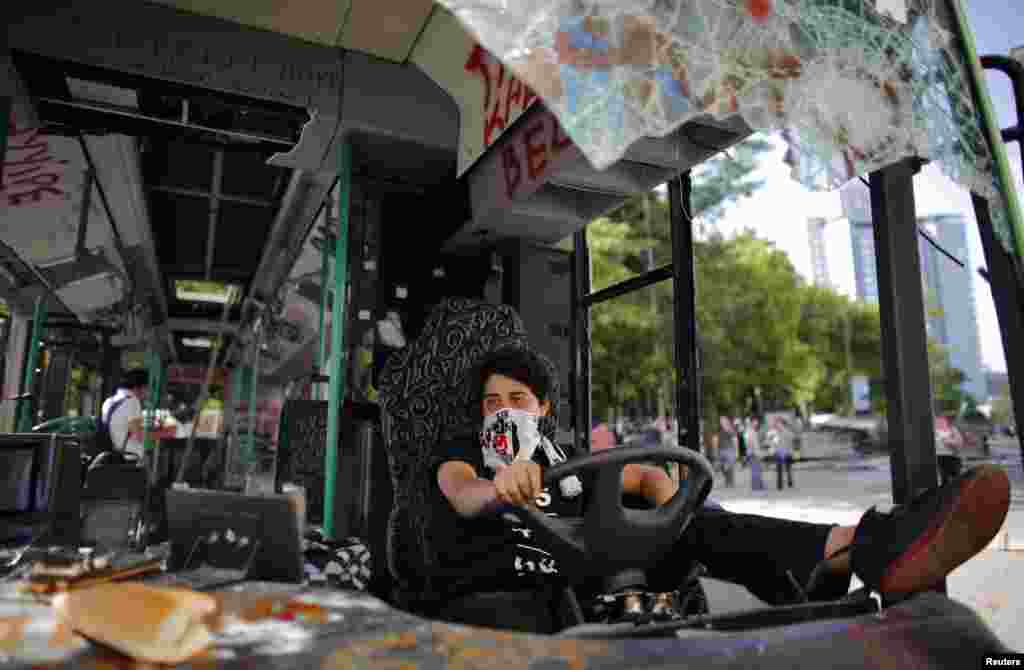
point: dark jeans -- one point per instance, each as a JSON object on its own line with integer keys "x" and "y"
{"x": 753, "y": 551}
{"x": 728, "y": 469}
{"x": 784, "y": 463}
{"x": 764, "y": 554}
{"x": 949, "y": 466}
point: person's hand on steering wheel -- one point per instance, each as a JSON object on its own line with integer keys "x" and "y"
{"x": 519, "y": 483}
{"x": 610, "y": 537}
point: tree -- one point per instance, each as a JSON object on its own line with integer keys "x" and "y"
{"x": 632, "y": 353}
{"x": 727, "y": 179}
{"x": 1002, "y": 408}
{"x": 947, "y": 394}
{"x": 845, "y": 337}
{"x": 749, "y": 313}
{"x": 717, "y": 183}
{"x": 624, "y": 330}
{"x": 748, "y": 318}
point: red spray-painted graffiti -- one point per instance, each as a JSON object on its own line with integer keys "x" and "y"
{"x": 30, "y": 172}
{"x": 528, "y": 154}
{"x": 504, "y": 93}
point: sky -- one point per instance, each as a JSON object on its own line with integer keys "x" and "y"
{"x": 780, "y": 210}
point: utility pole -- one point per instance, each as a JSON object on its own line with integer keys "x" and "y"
{"x": 847, "y": 341}
{"x": 659, "y": 399}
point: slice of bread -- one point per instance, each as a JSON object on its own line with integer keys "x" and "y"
{"x": 161, "y": 625}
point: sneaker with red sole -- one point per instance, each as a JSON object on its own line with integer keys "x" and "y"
{"x": 914, "y": 546}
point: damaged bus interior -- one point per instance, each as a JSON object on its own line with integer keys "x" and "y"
{"x": 307, "y": 222}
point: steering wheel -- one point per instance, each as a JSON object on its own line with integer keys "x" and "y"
{"x": 113, "y": 458}
{"x": 611, "y": 538}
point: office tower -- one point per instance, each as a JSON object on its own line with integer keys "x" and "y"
{"x": 865, "y": 270}
{"x": 819, "y": 258}
{"x": 856, "y": 199}
{"x": 948, "y": 288}
{"x": 949, "y": 297}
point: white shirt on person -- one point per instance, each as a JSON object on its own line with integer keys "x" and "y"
{"x": 753, "y": 440}
{"x": 118, "y": 421}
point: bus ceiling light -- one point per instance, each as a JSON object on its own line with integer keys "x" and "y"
{"x": 95, "y": 91}
{"x": 198, "y": 290}
{"x": 197, "y": 342}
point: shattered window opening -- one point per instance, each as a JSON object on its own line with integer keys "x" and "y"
{"x": 851, "y": 90}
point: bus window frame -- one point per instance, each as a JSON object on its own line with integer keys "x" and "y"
{"x": 681, "y": 270}
{"x": 912, "y": 458}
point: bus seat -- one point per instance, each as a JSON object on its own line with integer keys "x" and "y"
{"x": 426, "y": 398}
{"x": 112, "y": 503}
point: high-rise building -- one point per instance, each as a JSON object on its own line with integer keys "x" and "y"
{"x": 949, "y": 297}
{"x": 998, "y": 383}
{"x": 819, "y": 258}
{"x": 856, "y": 199}
{"x": 865, "y": 270}
{"x": 952, "y": 318}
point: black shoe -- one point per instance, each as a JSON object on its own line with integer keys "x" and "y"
{"x": 917, "y": 544}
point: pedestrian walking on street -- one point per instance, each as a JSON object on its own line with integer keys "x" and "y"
{"x": 948, "y": 443}
{"x": 753, "y": 442}
{"x": 727, "y": 452}
{"x": 741, "y": 441}
{"x": 783, "y": 451}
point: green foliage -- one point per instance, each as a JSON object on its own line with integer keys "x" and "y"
{"x": 623, "y": 328}
{"x": 726, "y": 179}
{"x": 947, "y": 396}
{"x": 1002, "y": 409}
{"x": 845, "y": 337}
{"x": 759, "y": 324}
{"x": 748, "y": 318}
{"x": 632, "y": 336}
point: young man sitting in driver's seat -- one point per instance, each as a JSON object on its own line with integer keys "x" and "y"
{"x": 904, "y": 550}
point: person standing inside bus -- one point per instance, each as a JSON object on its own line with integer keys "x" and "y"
{"x": 122, "y": 412}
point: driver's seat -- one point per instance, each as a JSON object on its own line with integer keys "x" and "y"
{"x": 426, "y": 399}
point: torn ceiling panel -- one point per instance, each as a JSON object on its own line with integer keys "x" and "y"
{"x": 385, "y": 29}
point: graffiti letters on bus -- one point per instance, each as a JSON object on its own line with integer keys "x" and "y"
{"x": 31, "y": 173}
{"x": 505, "y": 96}
{"x": 526, "y": 156}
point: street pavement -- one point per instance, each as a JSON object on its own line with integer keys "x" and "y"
{"x": 841, "y": 485}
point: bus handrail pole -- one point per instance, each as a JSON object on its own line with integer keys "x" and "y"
{"x": 250, "y": 445}
{"x": 581, "y": 341}
{"x": 337, "y": 372}
{"x": 978, "y": 91}
{"x": 325, "y": 266}
{"x": 687, "y": 363}
{"x": 204, "y": 393}
{"x": 1015, "y": 71}
{"x": 24, "y": 407}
